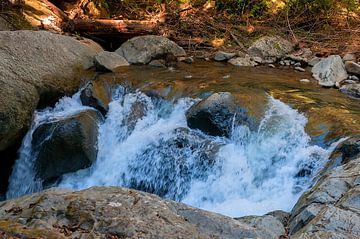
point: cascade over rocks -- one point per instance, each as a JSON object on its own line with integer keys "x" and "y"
{"x": 216, "y": 115}
{"x": 108, "y": 212}
{"x": 66, "y": 145}
{"x": 270, "y": 49}
{"x": 36, "y": 66}
{"x": 330, "y": 71}
{"x": 143, "y": 49}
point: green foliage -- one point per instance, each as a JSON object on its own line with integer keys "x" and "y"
{"x": 322, "y": 8}
{"x": 255, "y": 8}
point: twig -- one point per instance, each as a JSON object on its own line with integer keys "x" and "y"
{"x": 237, "y": 41}
{"x": 291, "y": 31}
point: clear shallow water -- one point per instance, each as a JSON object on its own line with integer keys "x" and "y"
{"x": 252, "y": 172}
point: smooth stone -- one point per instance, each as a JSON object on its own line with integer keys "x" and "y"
{"x": 109, "y": 61}
{"x": 352, "y": 68}
{"x": 305, "y": 80}
{"x": 270, "y": 47}
{"x": 242, "y": 61}
{"x": 298, "y": 68}
{"x": 223, "y": 56}
{"x": 157, "y": 63}
{"x": 329, "y": 71}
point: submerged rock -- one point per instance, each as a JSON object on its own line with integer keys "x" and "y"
{"x": 109, "y": 61}
{"x": 66, "y": 145}
{"x": 270, "y": 48}
{"x": 330, "y": 71}
{"x": 168, "y": 167}
{"x": 352, "y": 90}
{"x": 216, "y": 115}
{"x": 112, "y": 212}
{"x": 143, "y": 49}
{"x": 96, "y": 94}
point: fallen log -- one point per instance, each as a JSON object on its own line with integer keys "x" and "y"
{"x": 107, "y": 27}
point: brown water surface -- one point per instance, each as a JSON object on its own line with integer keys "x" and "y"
{"x": 331, "y": 114}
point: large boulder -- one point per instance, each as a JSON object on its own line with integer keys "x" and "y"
{"x": 330, "y": 71}
{"x": 143, "y": 49}
{"x": 216, "y": 115}
{"x": 36, "y": 67}
{"x": 65, "y": 145}
{"x": 270, "y": 48}
{"x": 113, "y": 212}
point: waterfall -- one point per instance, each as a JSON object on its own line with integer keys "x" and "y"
{"x": 144, "y": 143}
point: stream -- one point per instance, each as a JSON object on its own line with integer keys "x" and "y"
{"x": 251, "y": 172}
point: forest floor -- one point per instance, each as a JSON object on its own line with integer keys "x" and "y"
{"x": 201, "y": 29}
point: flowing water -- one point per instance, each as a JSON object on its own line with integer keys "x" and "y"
{"x": 250, "y": 172}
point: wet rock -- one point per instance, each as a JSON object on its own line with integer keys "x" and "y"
{"x": 223, "y": 56}
{"x": 305, "y": 80}
{"x": 65, "y": 145}
{"x": 269, "y": 226}
{"x": 216, "y": 114}
{"x": 105, "y": 212}
{"x": 329, "y": 71}
{"x": 352, "y": 68}
{"x": 270, "y": 47}
{"x": 352, "y": 90}
{"x": 143, "y": 49}
{"x": 242, "y": 61}
{"x": 271, "y": 66}
{"x": 109, "y": 61}
{"x": 158, "y": 63}
{"x": 96, "y": 94}
{"x": 304, "y": 217}
{"x": 349, "y": 57}
{"x": 36, "y": 68}
{"x": 344, "y": 152}
{"x": 282, "y": 216}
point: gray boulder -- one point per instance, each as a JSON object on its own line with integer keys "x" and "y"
{"x": 270, "y": 48}
{"x": 313, "y": 61}
{"x": 216, "y": 115}
{"x": 352, "y": 90}
{"x": 109, "y": 61}
{"x": 143, "y": 49}
{"x": 352, "y": 68}
{"x": 36, "y": 68}
{"x": 113, "y": 212}
{"x": 329, "y": 71}
{"x": 65, "y": 145}
{"x": 223, "y": 56}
